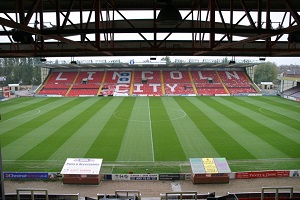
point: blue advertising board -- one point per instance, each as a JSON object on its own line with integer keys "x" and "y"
{"x": 25, "y": 175}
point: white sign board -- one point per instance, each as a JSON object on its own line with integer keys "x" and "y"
{"x": 88, "y": 166}
{"x": 135, "y": 177}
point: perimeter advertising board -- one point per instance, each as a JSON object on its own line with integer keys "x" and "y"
{"x": 135, "y": 177}
{"x": 25, "y": 175}
{"x": 262, "y": 174}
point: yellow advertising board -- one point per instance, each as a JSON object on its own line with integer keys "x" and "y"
{"x": 209, "y": 165}
{"x": 208, "y": 160}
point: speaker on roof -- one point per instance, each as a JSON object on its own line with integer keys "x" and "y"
{"x": 22, "y": 37}
{"x": 262, "y": 59}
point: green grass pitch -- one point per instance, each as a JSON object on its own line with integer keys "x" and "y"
{"x": 150, "y": 134}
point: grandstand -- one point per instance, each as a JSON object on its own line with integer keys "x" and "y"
{"x": 290, "y": 86}
{"x": 149, "y": 81}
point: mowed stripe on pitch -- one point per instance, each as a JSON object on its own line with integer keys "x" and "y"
{"x": 137, "y": 143}
{"x": 293, "y": 106}
{"x": 192, "y": 140}
{"x": 15, "y": 104}
{"x": 282, "y": 137}
{"x": 75, "y": 119}
{"x": 288, "y": 102}
{"x": 287, "y": 127}
{"x": 22, "y": 126}
{"x": 108, "y": 142}
{"x": 165, "y": 141}
{"x": 38, "y": 109}
{"x": 288, "y": 115}
{"x": 223, "y": 143}
{"x": 10, "y": 103}
{"x": 240, "y": 131}
{"x": 80, "y": 142}
{"x": 28, "y": 142}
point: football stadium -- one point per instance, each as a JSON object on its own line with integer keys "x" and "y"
{"x": 202, "y": 121}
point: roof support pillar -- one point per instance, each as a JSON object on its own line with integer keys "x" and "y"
{"x": 212, "y": 23}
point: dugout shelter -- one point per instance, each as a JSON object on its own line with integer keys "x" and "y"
{"x": 82, "y": 171}
{"x": 209, "y": 170}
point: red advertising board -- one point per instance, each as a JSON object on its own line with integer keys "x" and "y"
{"x": 262, "y": 174}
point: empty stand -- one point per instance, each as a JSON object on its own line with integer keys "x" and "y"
{"x": 148, "y": 83}
{"x": 149, "y": 89}
{"x": 58, "y": 83}
{"x": 53, "y": 92}
{"x": 207, "y": 83}
{"x": 118, "y": 77}
{"x": 147, "y": 77}
{"x": 108, "y": 89}
{"x": 88, "y": 77}
{"x": 81, "y": 92}
{"x": 178, "y": 88}
{"x": 236, "y": 82}
{"x": 87, "y": 83}
{"x": 177, "y": 83}
{"x": 205, "y": 76}
{"x": 293, "y": 92}
{"x": 210, "y": 89}
{"x": 176, "y": 77}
